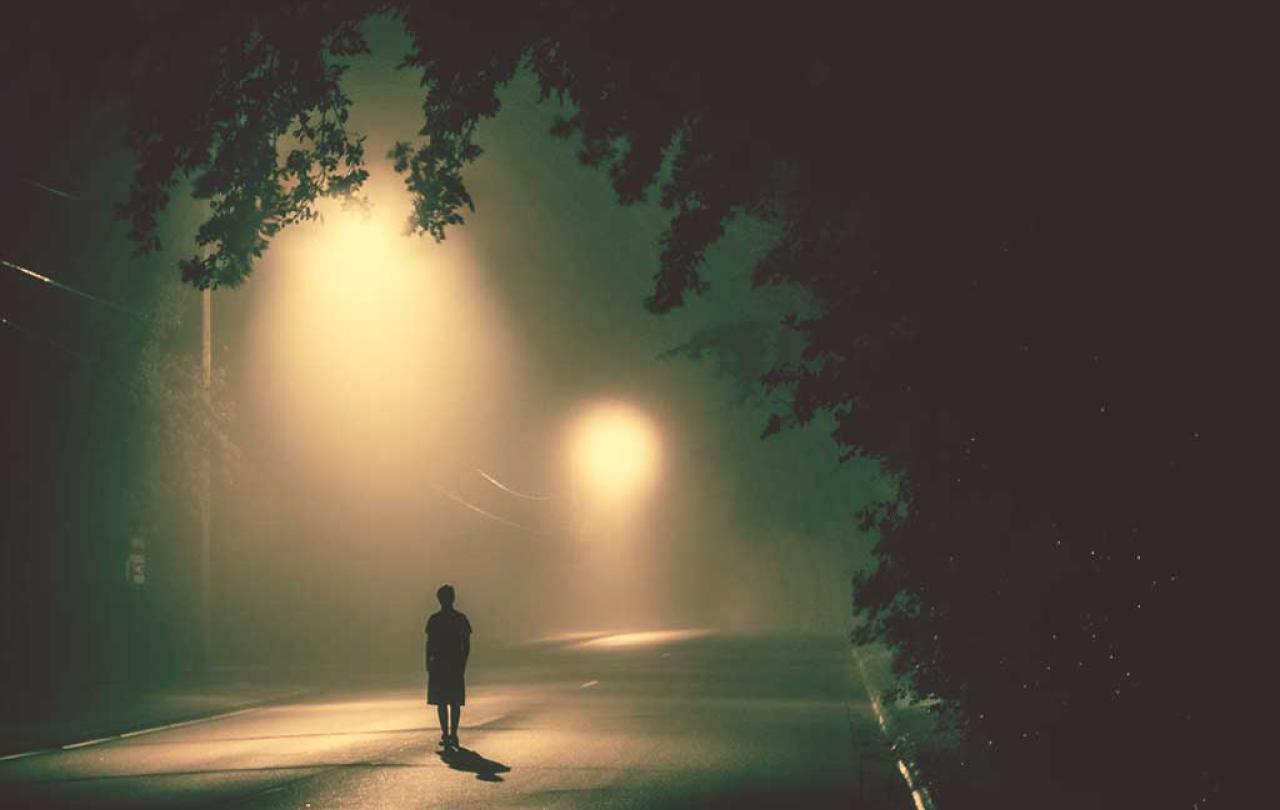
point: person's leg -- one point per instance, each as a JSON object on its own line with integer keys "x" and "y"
{"x": 455, "y": 714}
{"x": 442, "y": 711}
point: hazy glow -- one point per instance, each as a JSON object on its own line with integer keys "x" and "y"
{"x": 569, "y": 637}
{"x": 648, "y": 638}
{"x": 377, "y": 352}
{"x": 614, "y": 452}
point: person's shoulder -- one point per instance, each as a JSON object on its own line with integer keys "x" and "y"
{"x": 463, "y": 620}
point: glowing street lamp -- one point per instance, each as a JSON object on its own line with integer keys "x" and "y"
{"x": 613, "y": 454}
{"x": 613, "y": 458}
{"x": 375, "y": 351}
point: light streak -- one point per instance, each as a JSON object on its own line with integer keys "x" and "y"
{"x": 65, "y": 287}
{"x": 511, "y": 491}
{"x": 468, "y": 505}
{"x": 52, "y": 190}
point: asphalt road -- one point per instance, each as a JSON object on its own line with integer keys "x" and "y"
{"x": 612, "y": 722}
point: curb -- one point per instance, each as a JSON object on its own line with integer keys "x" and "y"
{"x": 919, "y": 793}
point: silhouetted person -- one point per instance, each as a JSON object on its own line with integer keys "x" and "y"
{"x": 448, "y": 645}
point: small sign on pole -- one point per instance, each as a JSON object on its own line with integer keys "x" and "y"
{"x": 135, "y": 566}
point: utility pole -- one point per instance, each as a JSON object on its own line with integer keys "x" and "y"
{"x": 206, "y": 469}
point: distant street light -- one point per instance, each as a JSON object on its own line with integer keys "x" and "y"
{"x": 614, "y": 455}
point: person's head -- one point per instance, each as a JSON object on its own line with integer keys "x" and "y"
{"x": 445, "y": 595}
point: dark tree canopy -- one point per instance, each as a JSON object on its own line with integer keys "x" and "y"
{"x": 990, "y": 212}
{"x": 255, "y": 115}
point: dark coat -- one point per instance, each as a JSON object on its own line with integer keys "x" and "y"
{"x": 448, "y": 646}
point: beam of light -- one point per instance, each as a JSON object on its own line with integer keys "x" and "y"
{"x": 491, "y": 516}
{"x": 511, "y": 491}
{"x": 52, "y": 190}
{"x": 614, "y": 453}
{"x": 380, "y": 359}
{"x": 65, "y": 287}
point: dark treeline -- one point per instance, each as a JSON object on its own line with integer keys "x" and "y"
{"x": 1009, "y": 223}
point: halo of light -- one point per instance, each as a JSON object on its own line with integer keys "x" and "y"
{"x": 614, "y": 452}
{"x": 373, "y": 354}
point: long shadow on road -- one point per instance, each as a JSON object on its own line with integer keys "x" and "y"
{"x": 464, "y": 759}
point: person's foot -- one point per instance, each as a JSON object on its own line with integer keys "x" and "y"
{"x": 445, "y": 740}
{"x": 453, "y": 740}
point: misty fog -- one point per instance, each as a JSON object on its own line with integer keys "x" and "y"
{"x": 403, "y": 412}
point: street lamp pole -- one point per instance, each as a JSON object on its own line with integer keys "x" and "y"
{"x": 206, "y": 469}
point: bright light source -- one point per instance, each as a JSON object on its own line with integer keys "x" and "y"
{"x": 614, "y": 453}
{"x": 378, "y": 354}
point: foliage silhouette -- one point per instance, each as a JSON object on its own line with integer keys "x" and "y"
{"x": 247, "y": 103}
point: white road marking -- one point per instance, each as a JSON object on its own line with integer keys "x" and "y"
{"x": 167, "y": 726}
{"x": 141, "y": 731}
{"x": 25, "y": 754}
{"x": 588, "y": 684}
{"x": 69, "y": 746}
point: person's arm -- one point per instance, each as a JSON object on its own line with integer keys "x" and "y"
{"x": 466, "y": 642}
{"x": 430, "y": 653}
